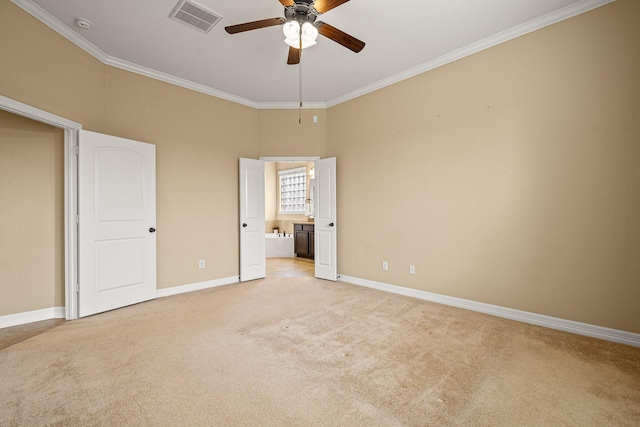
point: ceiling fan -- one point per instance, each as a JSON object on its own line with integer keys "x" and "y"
{"x": 301, "y": 28}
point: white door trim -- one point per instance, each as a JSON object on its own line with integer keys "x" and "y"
{"x": 289, "y": 159}
{"x": 71, "y": 129}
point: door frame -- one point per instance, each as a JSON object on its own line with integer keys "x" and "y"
{"x": 283, "y": 159}
{"x": 71, "y": 130}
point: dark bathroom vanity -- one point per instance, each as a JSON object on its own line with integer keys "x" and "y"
{"x": 303, "y": 240}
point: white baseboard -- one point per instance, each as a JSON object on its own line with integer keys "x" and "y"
{"x": 196, "y": 286}
{"x": 614, "y": 335}
{"x": 59, "y": 312}
{"x": 32, "y": 316}
{"x": 622, "y": 337}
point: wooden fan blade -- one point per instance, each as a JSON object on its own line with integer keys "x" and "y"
{"x": 339, "y": 37}
{"x": 247, "y": 26}
{"x": 294, "y": 56}
{"x": 323, "y": 6}
{"x": 287, "y": 2}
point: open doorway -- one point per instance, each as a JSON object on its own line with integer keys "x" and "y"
{"x": 289, "y": 219}
{"x": 32, "y": 212}
{"x": 70, "y": 129}
{"x": 252, "y": 224}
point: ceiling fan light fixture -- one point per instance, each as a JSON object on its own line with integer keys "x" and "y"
{"x": 301, "y": 27}
{"x": 291, "y": 30}
{"x": 309, "y": 34}
{"x": 292, "y": 33}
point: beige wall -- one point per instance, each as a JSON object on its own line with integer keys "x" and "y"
{"x": 510, "y": 177}
{"x": 198, "y": 141}
{"x": 281, "y": 135}
{"x": 270, "y": 194}
{"x": 32, "y": 215}
{"x": 40, "y": 68}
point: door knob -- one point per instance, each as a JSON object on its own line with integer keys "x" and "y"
{"x": 152, "y": 230}
{"x": 244, "y": 225}
{"x": 330, "y": 224}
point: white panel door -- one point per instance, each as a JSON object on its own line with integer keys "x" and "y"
{"x": 117, "y": 212}
{"x": 253, "y": 264}
{"x": 325, "y": 219}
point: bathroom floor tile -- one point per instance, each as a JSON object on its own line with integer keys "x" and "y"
{"x": 290, "y": 267}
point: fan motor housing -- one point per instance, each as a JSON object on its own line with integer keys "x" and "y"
{"x": 301, "y": 11}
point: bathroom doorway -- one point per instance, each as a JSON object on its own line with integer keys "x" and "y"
{"x": 313, "y": 238}
{"x": 290, "y": 267}
{"x": 289, "y": 209}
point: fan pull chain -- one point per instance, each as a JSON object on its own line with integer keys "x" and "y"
{"x": 300, "y": 91}
{"x": 300, "y": 82}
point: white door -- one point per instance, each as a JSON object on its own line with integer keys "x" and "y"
{"x": 325, "y": 219}
{"x": 117, "y": 212}
{"x": 253, "y": 263}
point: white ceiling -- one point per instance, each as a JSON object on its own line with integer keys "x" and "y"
{"x": 403, "y": 38}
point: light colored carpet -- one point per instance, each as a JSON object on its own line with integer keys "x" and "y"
{"x": 301, "y": 351}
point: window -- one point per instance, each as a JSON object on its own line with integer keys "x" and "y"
{"x": 293, "y": 190}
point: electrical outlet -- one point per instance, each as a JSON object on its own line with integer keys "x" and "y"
{"x": 201, "y": 264}
{"x": 385, "y": 265}
{"x": 412, "y": 269}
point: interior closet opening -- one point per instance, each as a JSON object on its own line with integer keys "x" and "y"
{"x": 70, "y": 130}
{"x": 33, "y": 244}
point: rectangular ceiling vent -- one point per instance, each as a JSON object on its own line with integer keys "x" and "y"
{"x": 195, "y": 16}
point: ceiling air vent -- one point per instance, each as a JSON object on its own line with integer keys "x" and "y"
{"x": 195, "y": 16}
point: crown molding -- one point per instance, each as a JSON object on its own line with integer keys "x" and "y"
{"x": 168, "y": 78}
{"x": 486, "y": 43}
{"x": 52, "y": 22}
{"x": 291, "y": 105}
{"x": 504, "y": 36}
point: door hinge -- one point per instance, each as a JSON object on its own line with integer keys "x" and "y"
{"x": 76, "y": 288}
{"x": 77, "y": 219}
{"x": 76, "y": 150}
